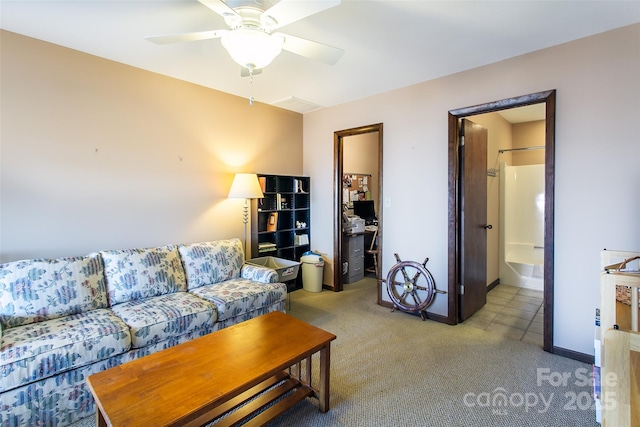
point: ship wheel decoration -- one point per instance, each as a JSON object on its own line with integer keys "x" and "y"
{"x": 411, "y": 286}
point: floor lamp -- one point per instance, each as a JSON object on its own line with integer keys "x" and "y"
{"x": 245, "y": 186}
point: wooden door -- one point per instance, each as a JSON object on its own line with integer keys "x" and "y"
{"x": 473, "y": 219}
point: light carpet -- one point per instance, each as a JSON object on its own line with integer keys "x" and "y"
{"x": 393, "y": 369}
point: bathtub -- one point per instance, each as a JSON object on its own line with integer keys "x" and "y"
{"x": 522, "y": 226}
{"x": 523, "y": 266}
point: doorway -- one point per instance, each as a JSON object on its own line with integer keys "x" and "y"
{"x": 457, "y": 206}
{"x": 341, "y": 140}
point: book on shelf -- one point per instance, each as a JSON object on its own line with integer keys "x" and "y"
{"x": 266, "y": 247}
{"x": 281, "y": 202}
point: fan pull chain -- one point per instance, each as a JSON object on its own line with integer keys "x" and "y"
{"x": 250, "y": 86}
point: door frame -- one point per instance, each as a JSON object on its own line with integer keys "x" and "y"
{"x": 338, "y": 162}
{"x": 549, "y": 99}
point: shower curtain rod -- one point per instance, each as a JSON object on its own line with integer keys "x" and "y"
{"x": 537, "y": 147}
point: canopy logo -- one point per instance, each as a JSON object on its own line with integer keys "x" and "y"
{"x": 499, "y": 400}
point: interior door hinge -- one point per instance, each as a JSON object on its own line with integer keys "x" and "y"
{"x": 461, "y": 140}
{"x": 461, "y": 289}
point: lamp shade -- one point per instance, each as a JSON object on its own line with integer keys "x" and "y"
{"x": 245, "y": 186}
{"x": 252, "y": 48}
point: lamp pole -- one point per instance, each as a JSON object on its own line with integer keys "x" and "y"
{"x": 245, "y": 218}
{"x": 245, "y": 186}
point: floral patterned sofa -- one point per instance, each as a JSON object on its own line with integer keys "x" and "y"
{"x": 64, "y": 319}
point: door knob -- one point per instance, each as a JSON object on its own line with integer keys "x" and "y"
{"x": 488, "y": 226}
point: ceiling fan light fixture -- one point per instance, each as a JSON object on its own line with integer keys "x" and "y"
{"x": 252, "y": 48}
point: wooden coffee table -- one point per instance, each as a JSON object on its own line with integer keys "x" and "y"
{"x": 243, "y": 367}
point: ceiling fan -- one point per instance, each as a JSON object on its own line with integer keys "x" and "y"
{"x": 251, "y": 41}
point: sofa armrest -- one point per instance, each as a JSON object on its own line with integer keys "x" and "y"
{"x": 258, "y": 273}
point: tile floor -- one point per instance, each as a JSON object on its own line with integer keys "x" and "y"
{"x": 512, "y": 312}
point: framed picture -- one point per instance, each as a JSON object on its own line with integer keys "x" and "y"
{"x": 272, "y": 221}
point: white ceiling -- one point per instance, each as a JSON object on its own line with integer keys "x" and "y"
{"x": 388, "y": 44}
{"x": 529, "y": 113}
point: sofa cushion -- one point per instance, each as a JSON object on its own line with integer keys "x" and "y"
{"x": 41, "y": 289}
{"x": 211, "y": 262}
{"x": 158, "y": 318}
{"x": 238, "y": 296}
{"x": 142, "y": 273}
{"x": 39, "y": 350}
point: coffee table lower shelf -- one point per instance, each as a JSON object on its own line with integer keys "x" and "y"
{"x": 281, "y": 392}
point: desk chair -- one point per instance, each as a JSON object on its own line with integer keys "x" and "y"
{"x": 373, "y": 251}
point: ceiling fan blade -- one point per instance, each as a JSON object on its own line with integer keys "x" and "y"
{"x": 221, "y": 8}
{"x": 310, "y": 49}
{"x": 186, "y": 37}
{"x": 287, "y": 11}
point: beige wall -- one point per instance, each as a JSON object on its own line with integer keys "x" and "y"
{"x": 530, "y": 134}
{"x": 97, "y": 155}
{"x": 597, "y": 151}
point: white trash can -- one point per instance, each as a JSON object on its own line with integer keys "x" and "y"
{"x": 312, "y": 271}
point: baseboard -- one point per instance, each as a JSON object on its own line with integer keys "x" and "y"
{"x": 431, "y": 316}
{"x": 385, "y": 303}
{"x": 438, "y": 318}
{"x": 570, "y": 354}
{"x": 493, "y": 284}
